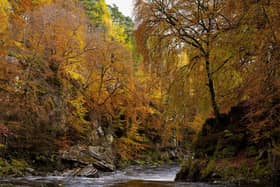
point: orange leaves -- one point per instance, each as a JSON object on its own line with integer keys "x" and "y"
{"x": 129, "y": 149}
{"x": 69, "y": 73}
{"x": 57, "y": 32}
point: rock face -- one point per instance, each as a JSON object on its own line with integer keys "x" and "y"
{"x": 191, "y": 171}
{"x": 90, "y": 160}
{"x": 230, "y": 151}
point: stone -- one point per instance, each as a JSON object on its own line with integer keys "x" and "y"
{"x": 104, "y": 158}
{"x": 99, "y": 157}
{"x": 68, "y": 172}
{"x": 30, "y": 170}
{"x": 88, "y": 171}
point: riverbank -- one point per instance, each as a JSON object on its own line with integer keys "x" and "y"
{"x": 134, "y": 176}
{"x": 163, "y": 173}
{"x": 78, "y": 161}
{"x": 237, "y": 151}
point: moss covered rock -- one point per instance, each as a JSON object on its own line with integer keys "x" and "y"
{"x": 235, "y": 151}
{"x": 13, "y": 167}
{"x": 191, "y": 170}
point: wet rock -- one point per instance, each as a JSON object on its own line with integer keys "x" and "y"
{"x": 101, "y": 158}
{"x": 66, "y": 173}
{"x": 88, "y": 171}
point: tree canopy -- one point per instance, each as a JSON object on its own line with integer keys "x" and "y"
{"x": 179, "y": 78}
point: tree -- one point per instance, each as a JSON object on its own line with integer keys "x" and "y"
{"x": 98, "y": 13}
{"x": 4, "y": 14}
{"x": 258, "y": 61}
{"x": 44, "y": 69}
{"x": 122, "y": 21}
{"x": 4, "y": 17}
{"x": 178, "y": 25}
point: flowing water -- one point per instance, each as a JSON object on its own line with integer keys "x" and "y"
{"x": 135, "y": 176}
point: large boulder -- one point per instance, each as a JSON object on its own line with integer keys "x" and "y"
{"x": 99, "y": 157}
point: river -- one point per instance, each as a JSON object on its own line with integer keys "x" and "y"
{"x": 136, "y": 176}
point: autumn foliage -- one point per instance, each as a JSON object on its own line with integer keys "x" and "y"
{"x": 79, "y": 72}
{"x": 69, "y": 76}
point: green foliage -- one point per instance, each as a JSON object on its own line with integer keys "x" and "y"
{"x": 14, "y": 168}
{"x": 97, "y": 12}
{"x": 71, "y": 74}
{"x": 208, "y": 171}
{"x": 122, "y": 23}
{"x": 79, "y": 108}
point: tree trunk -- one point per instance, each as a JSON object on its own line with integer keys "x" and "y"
{"x": 212, "y": 91}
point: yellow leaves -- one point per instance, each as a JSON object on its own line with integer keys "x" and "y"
{"x": 198, "y": 121}
{"x": 57, "y": 33}
{"x": 75, "y": 75}
{"x": 129, "y": 149}
{"x": 80, "y": 37}
{"x": 133, "y": 133}
{"x": 118, "y": 33}
{"x": 79, "y": 108}
{"x": 107, "y": 20}
{"x": 183, "y": 59}
{"x": 4, "y": 5}
{"x": 41, "y": 2}
{"x": 19, "y": 44}
{"x": 4, "y": 15}
{"x": 36, "y": 3}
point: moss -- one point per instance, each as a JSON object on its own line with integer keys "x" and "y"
{"x": 228, "y": 152}
{"x": 19, "y": 164}
{"x": 191, "y": 170}
{"x": 18, "y": 167}
{"x": 241, "y": 171}
{"x": 184, "y": 171}
{"x": 234, "y": 155}
{"x": 229, "y": 144}
{"x": 7, "y": 185}
{"x": 5, "y": 167}
{"x": 165, "y": 157}
{"x": 209, "y": 170}
{"x": 206, "y": 145}
{"x": 2, "y": 146}
{"x": 261, "y": 171}
{"x": 46, "y": 162}
{"x": 13, "y": 167}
